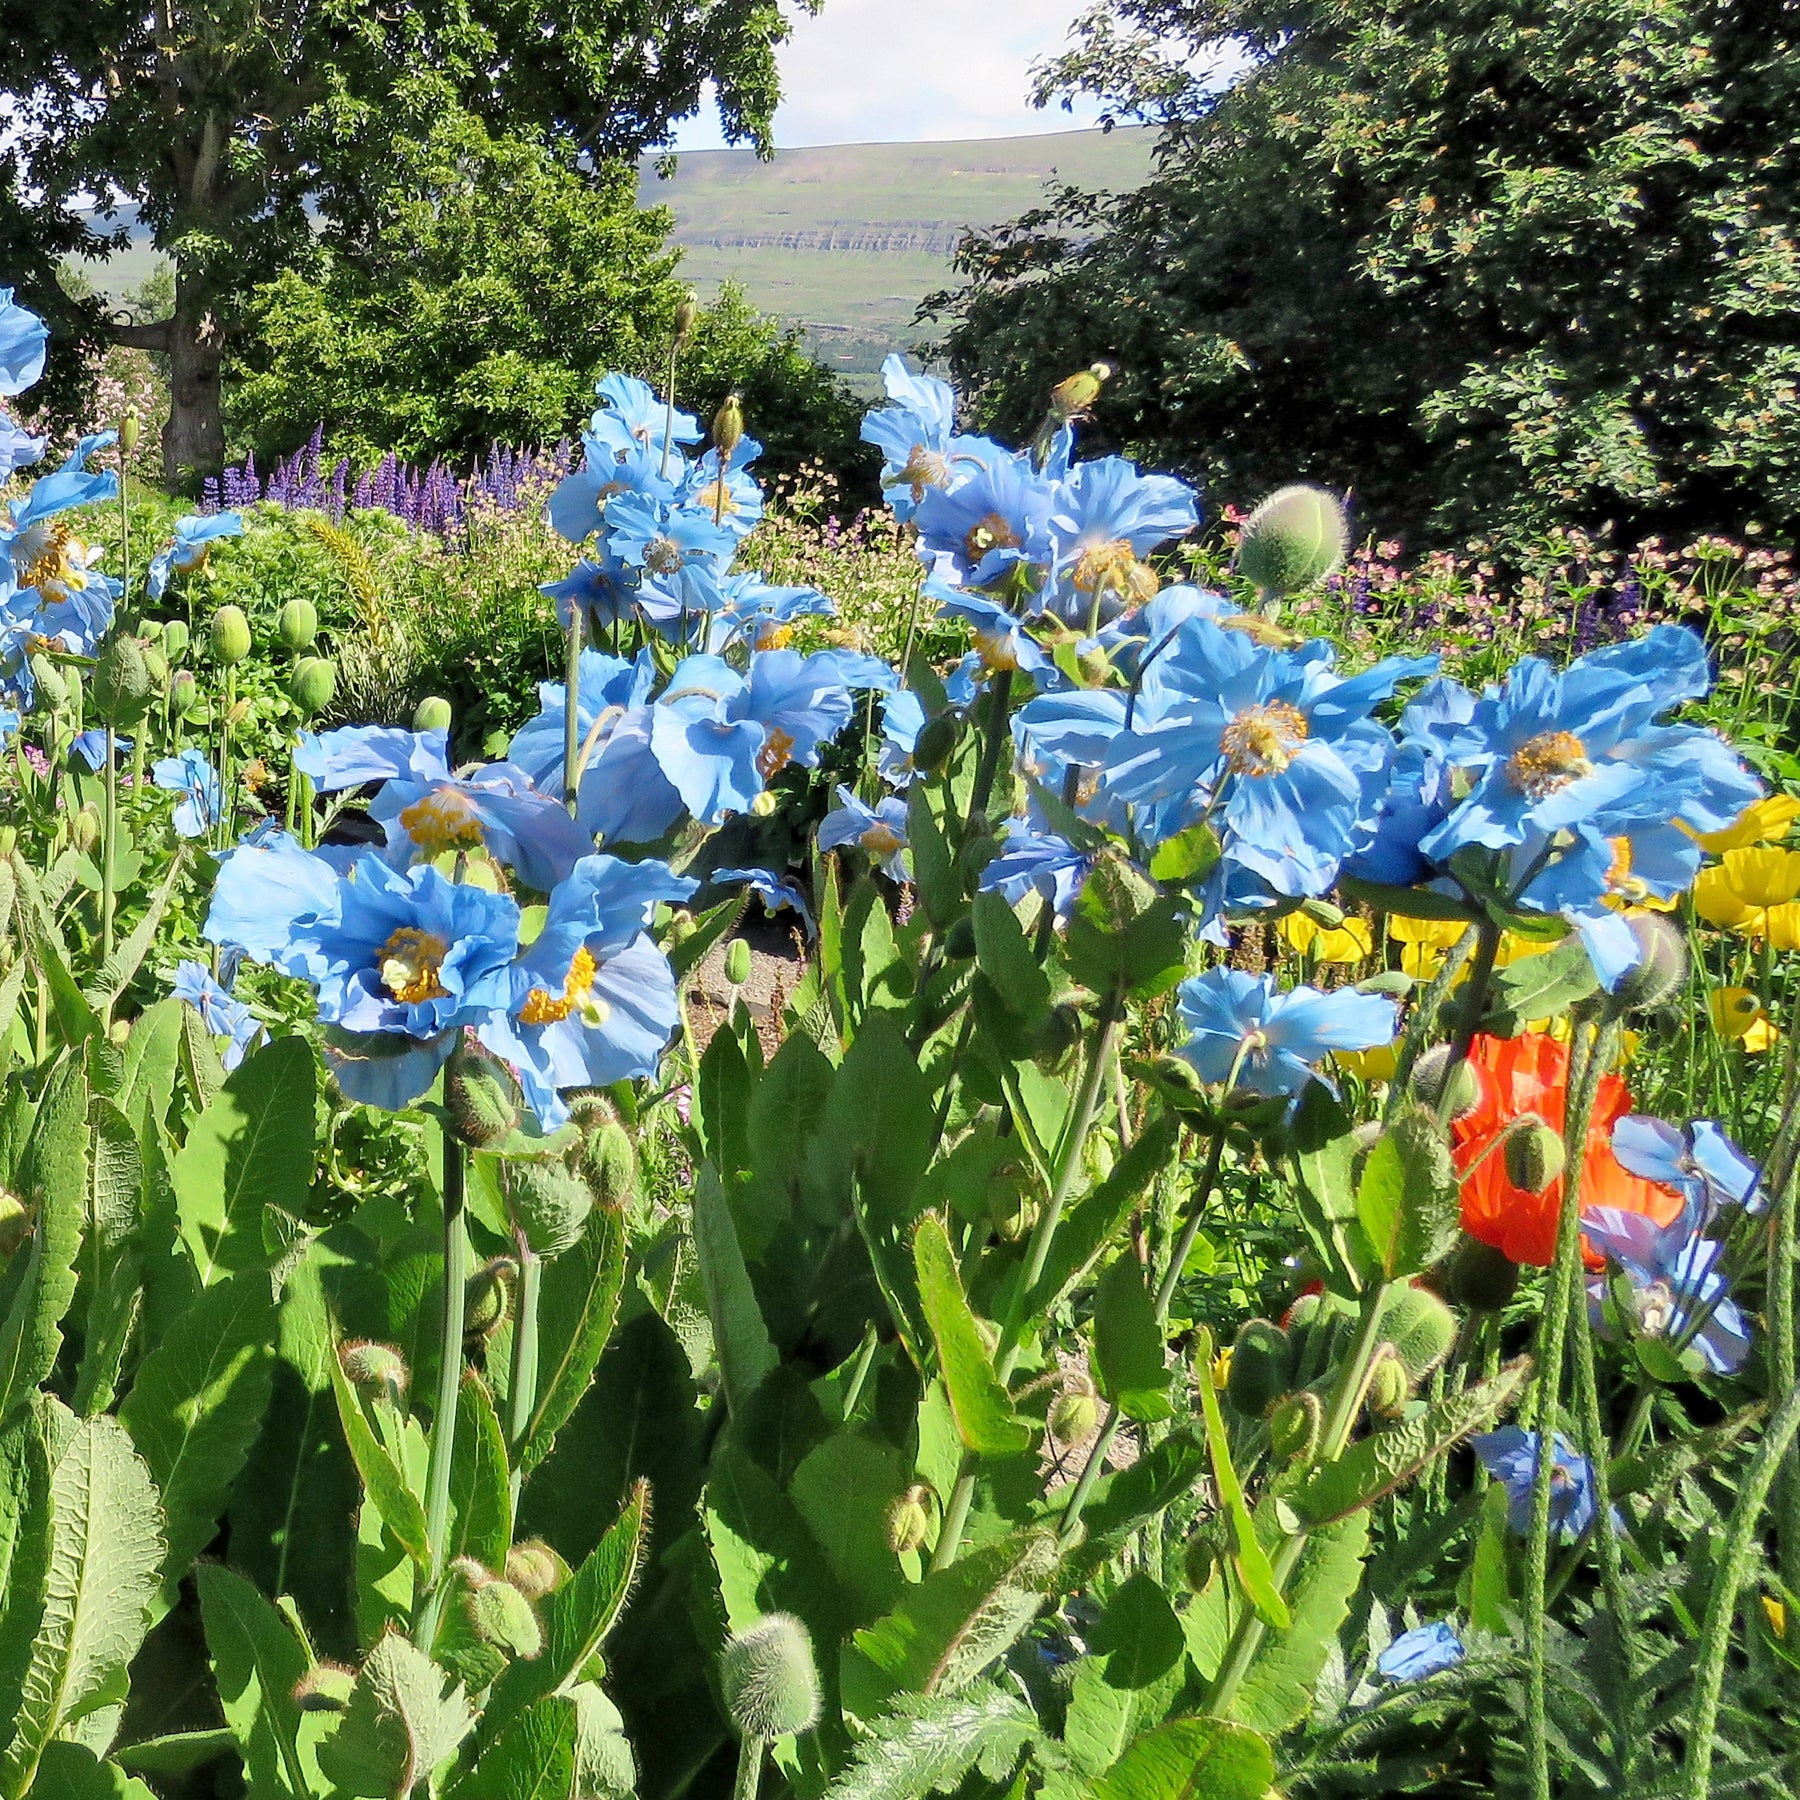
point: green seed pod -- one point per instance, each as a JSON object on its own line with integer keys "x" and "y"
{"x": 52, "y": 687}
{"x": 728, "y": 428}
{"x": 959, "y": 940}
{"x": 547, "y": 1203}
{"x": 378, "y": 1370}
{"x": 184, "y": 693}
{"x": 485, "y": 1297}
{"x": 1662, "y": 968}
{"x": 15, "y": 1223}
{"x": 1074, "y": 1412}
{"x": 297, "y": 624}
{"x": 737, "y": 962}
{"x": 1481, "y": 1278}
{"x": 84, "y": 828}
{"x": 687, "y": 315}
{"x": 609, "y": 1165}
{"x": 175, "y": 638}
{"x": 151, "y": 630}
{"x": 432, "y": 714}
{"x": 1262, "y": 1360}
{"x": 1428, "y": 1077}
{"x": 1534, "y": 1154}
{"x": 769, "y": 1680}
{"x": 123, "y": 682}
{"x": 500, "y": 1615}
{"x": 1421, "y": 1328}
{"x": 158, "y": 665}
{"x": 480, "y": 1097}
{"x": 1395, "y": 983}
{"x": 1389, "y": 1390}
{"x": 535, "y": 1569}
{"x": 131, "y": 429}
{"x": 1203, "y": 1553}
{"x": 311, "y": 683}
{"x": 1295, "y": 537}
{"x": 1295, "y": 1421}
{"x": 936, "y": 741}
{"x": 230, "y": 637}
{"x": 1057, "y": 1035}
{"x": 909, "y": 1520}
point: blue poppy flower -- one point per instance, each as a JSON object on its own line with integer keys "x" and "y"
{"x": 991, "y": 525}
{"x": 496, "y": 809}
{"x": 1041, "y": 863}
{"x": 1701, "y": 1164}
{"x": 603, "y": 592}
{"x": 90, "y": 746}
{"x": 663, "y": 540}
{"x": 1424, "y": 1651}
{"x": 614, "y": 462}
{"x": 18, "y": 448}
{"x": 30, "y": 541}
{"x": 916, "y": 435}
{"x": 221, "y": 1014}
{"x": 879, "y": 830}
{"x": 591, "y": 1000}
{"x": 353, "y": 755}
{"x": 1001, "y": 640}
{"x": 902, "y": 719}
{"x": 192, "y": 776}
{"x": 270, "y": 899}
{"x": 1511, "y": 1455}
{"x": 1679, "y": 1292}
{"x": 189, "y": 548}
{"x": 631, "y": 415}
{"x": 776, "y": 894}
{"x": 734, "y": 503}
{"x": 704, "y": 745}
{"x": 23, "y": 339}
{"x": 799, "y": 702}
{"x": 763, "y": 613}
{"x": 1108, "y": 518}
{"x": 1243, "y": 1031}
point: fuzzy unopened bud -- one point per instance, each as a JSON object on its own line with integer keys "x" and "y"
{"x": 175, "y": 638}
{"x": 486, "y": 1295}
{"x": 769, "y": 1680}
{"x": 325, "y": 1687}
{"x": 535, "y": 1569}
{"x": 1662, "y": 967}
{"x": 311, "y": 684}
{"x": 123, "y": 681}
{"x": 687, "y": 316}
{"x": 230, "y": 635}
{"x": 51, "y": 684}
{"x": 1389, "y": 1389}
{"x": 1295, "y": 537}
{"x": 1481, "y": 1277}
{"x": 937, "y": 741}
{"x": 158, "y": 665}
{"x": 84, "y": 829}
{"x": 909, "y": 1520}
{"x": 547, "y": 1203}
{"x": 1420, "y": 1327}
{"x": 184, "y": 693}
{"x": 1436, "y": 1068}
{"x": 378, "y": 1370}
{"x": 297, "y": 624}
{"x": 737, "y": 962}
{"x": 480, "y": 1097}
{"x": 1073, "y": 397}
{"x": 1203, "y": 1553}
{"x": 1295, "y": 1421}
{"x": 728, "y": 428}
{"x": 15, "y": 1222}
{"x": 131, "y": 429}
{"x": 501, "y": 1616}
{"x": 1261, "y": 1367}
{"x": 1533, "y": 1153}
{"x": 609, "y": 1164}
{"x": 1075, "y": 1411}
{"x": 432, "y": 714}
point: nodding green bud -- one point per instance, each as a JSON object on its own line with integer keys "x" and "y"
{"x": 50, "y": 683}
{"x": 682, "y": 926}
{"x": 687, "y": 315}
{"x": 378, "y": 1370}
{"x": 432, "y": 714}
{"x": 325, "y": 1687}
{"x": 1430, "y": 1073}
{"x": 909, "y": 1520}
{"x": 485, "y": 1297}
{"x": 1322, "y": 912}
{"x": 769, "y": 1680}
{"x": 1075, "y": 1411}
{"x": 1534, "y": 1154}
{"x": 158, "y": 665}
{"x": 230, "y": 636}
{"x": 175, "y": 638}
{"x": 1057, "y": 1035}
{"x": 976, "y": 854}
{"x": 1295, "y": 537}
{"x": 480, "y": 1097}
{"x": 1662, "y": 968}
{"x": 728, "y": 429}
{"x": 151, "y": 630}
{"x": 959, "y": 940}
{"x": 1394, "y": 982}
{"x": 1481, "y": 1278}
{"x": 123, "y": 682}
{"x": 500, "y": 1615}
{"x": 546, "y": 1202}
{"x": 1389, "y": 1389}
{"x": 1204, "y": 1552}
{"x": 1295, "y": 1421}
{"x": 1073, "y": 397}
{"x": 1262, "y": 1360}
{"x": 609, "y": 1165}
{"x": 311, "y": 685}
{"x": 77, "y": 697}
{"x": 184, "y": 693}
{"x": 84, "y": 828}
{"x": 15, "y": 1222}
{"x": 131, "y": 429}
{"x": 1420, "y": 1327}
{"x": 297, "y": 624}
{"x": 937, "y": 741}
{"x": 535, "y": 1569}
{"x": 737, "y": 962}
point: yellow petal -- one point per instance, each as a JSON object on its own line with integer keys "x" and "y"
{"x": 1763, "y": 823}
{"x": 1349, "y": 942}
{"x": 1761, "y": 876}
{"x": 1717, "y": 901}
{"x": 1776, "y": 1614}
{"x": 1735, "y": 1013}
{"x": 1782, "y": 926}
{"x": 1760, "y": 1037}
{"x": 1373, "y": 1065}
{"x": 1442, "y": 933}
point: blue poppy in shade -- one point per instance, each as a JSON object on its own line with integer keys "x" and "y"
{"x": 221, "y": 1014}
{"x": 1511, "y": 1454}
{"x": 1001, "y": 640}
{"x": 1242, "y": 1030}
{"x": 1677, "y": 1289}
{"x": 45, "y": 556}
{"x": 880, "y": 831}
{"x": 663, "y": 540}
{"x": 799, "y": 702}
{"x": 916, "y": 435}
{"x": 734, "y": 503}
{"x": 708, "y": 751}
{"x": 1038, "y": 862}
{"x": 678, "y": 603}
{"x": 763, "y": 613}
{"x": 23, "y": 338}
{"x": 1701, "y": 1164}
{"x": 18, "y": 448}
{"x": 776, "y": 894}
{"x": 591, "y": 1000}
{"x": 497, "y": 809}
{"x": 90, "y": 746}
{"x": 1424, "y": 1651}
{"x": 902, "y": 719}
{"x": 189, "y": 548}
{"x": 602, "y": 592}
{"x": 992, "y": 524}
{"x": 193, "y": 777}
{"x": 1108, "y": 518}
{"x": 354, "y": 755}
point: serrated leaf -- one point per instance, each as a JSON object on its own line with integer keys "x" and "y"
{"x": 151, "y": 1053}
{"x": 1190, "y": 1759}
{"x": 115, "y": 1180}
{"x": 1538, "y": 987}
{"x": 1187, "y": 855}
{"x": 740, "y": 1338}
{"x": 929, "y": 1746}
{"x": 115, "y": 975}
{"x": 257, "y": 1662}
{"x": 532, "y": 1759}
{"x": 106, "y": 1546}
{"x": 1409, "y": 1197}
{"x": 24, "y": 1549}
{"x": 577, "y": 1307}
{"x": 251, "y": 1148}
{"x": 1128, "y": 1343}
{"x": 400, "y": 1724}
{"x": 982, "y": 1407}
{"x": 383, "y": 1481}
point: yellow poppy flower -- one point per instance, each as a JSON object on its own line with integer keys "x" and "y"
{"x": 1373, "y": 1065}
{"x": 1349, "y": 942}
{"x": 1765, "y": 822}
{"x": 1746, "y": 887}
{"x": 1737, "y": 1014}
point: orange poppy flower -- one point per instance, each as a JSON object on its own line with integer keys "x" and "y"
{"x": 1530, "y": 1074}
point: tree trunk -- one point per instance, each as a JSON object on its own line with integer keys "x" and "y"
{"x": 194, "y": 438}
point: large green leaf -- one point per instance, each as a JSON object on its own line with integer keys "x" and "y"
{"x": 74, "y": 1772}
{"x": 1004, "y": 955}
{"x": 740, "y": 1338}
{"x": 844, "y": 1489}
{"x": 24, "y": 1549}
{"x": 106, "y": 1546}
{"x": 115, "y": 1180}
{"x": 196, "y": 1407}
{"x": 927, "y": 1746}
{"x": 1250, "y": 1559}
{"x": 1538, "y": 987}
{"x": 1128, "y": 1343}
{"x": 252, "y": 1148}
{"x": 151, "y": 1053}
{"x": 1408, "y": 1198}
{"x": 981, "y": 1405}
{"x": 577, "y": 1304}
{"x": 532, "y": 1759}
{"x": 257, "y": 1663}
{"x": 480, "y": 1479}
{"x": 1138, "y": 1635}
{"x": 1190, "y": 1759}
{"x": 401, "y": 1723}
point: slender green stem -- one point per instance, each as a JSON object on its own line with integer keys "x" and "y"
{"x": 1779, "y": 1305}
{"x": 1468, "y": 1018}
{"x": 749, "y": 1769}
{"x": 523, "y": 1379}
{"x": 572, "y": 710}
{"x": 443, "y": 1418}
{"x": 1736, "y": 1556}
{"x": 109, "y": 832}
{"x": 993, "y": 746}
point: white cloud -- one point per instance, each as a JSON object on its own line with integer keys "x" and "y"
{"x": 910, "y": 71}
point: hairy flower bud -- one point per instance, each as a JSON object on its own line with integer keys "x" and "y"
{"x": 1295, "y": 1421}
{"x": 1481, "y": 1278}
{"x": 378, "y": 1370}
{"x": 769, "y": 1680}
{"x": 325, "y": 1687}
{"x": 1261, "y": 1367}
{"x": 480, "y": 1097}
{"x": 1420, "y": 1327}
{"x": 48, "y": 679}
{"x": 184, "y": 693}
{"x": 485, "y": 1297}
{"x": 84, "y": 828}
{"x": 1075, "y": 1411}
{"x": 1295, "y": 537}
{"x": 1534, "y": 1154}
{"x": 311, "y": 684}
{"x": 687, "y": 315}
{"x": 728, "y": 427}
{"x": 1389, "y": 1390}
{"x": 909, "y": 1520}
{"x": 175, "y": 638}
{"x": 230, "y": 636}
{"x": 297, "y": 624}
{"x": 158, "y": 665}
{"x": 15, "y": 1222}
{"x": 432, "y": 714}
{"x": 500, "y": 1615}
{"x": 937, "y": 740}
{"x": 1073, "y": 397}
{"x": 608, "y": 1163}
{"x": 1433, "y": 1069}
{"x": 123, "y": 681}
{"x": 547, "y": 1203}
{"x": 535, "y": 1569}
{"x": 1204, "y": 1552}
{"x": 131, "y": 429}
{"x": 1662, "y": 968}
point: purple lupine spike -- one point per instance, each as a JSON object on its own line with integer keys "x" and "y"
{"x": 209, "y": 494}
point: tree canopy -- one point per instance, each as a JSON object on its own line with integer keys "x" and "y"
{"x": 1483, "y": 262}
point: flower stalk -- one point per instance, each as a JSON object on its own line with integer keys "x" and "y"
{"x": 443, "y": 1419}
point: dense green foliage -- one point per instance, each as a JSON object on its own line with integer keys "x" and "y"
{"x": 1490, "y": 265}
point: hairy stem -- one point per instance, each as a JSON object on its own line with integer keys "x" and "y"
{"x": 443, "y": 1418}
{"x": 109, "y": 832}
{"x": 523, "y": 1379}
{"x": 749, "y": 1769}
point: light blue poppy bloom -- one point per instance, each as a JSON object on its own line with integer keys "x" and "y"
{"x": 992, "y": 524}
{"x": 1511, "y": 1454}
{"x": 799, "y": 702}
{"x": 916, "y": 435}
{"x": 1424, "y": 1651}
{"x": 189, "y": 547}
{"x": 705, "y": 745}
{"x": 902, "y": 719}
{"x": 90, "y": 746}
{"x": 1701, "y": 1164}
{"x": 761, "y": 613}
{"x": 1108, "y": 518}
{"x": 663, "y": 540}
{"x": 1001, "y": 640}
{"x": 193, "y": 777}
{"x": 1038, "y": 862}
{"x": 270, "y": 900}
{"x": 18, "y": 448}
{"x": 632, "y": 416}
{"x": 23, "y": 340}
{"x": 603, "y": 592}
{"x": 1244, "y": 1031}
{"x": 879, "y": 831}
{"x": 1679, "y": 1292}
{"x": 776, "y": 894}
{"x": 677, "y": 604}
{"x": 496, "y": 809}
{"x": 354, "y": 755}
{"x": 24, "y": 523}
{"x": 739, "y": 508}
{"x": 221, "y": 1014}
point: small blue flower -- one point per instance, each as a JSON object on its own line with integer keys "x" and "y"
{"x": 1424, "y": 1651}
{"x": 776, "y": 894}
{"x": 1041, "y": 863}
{"x": 1245, "y": 1032}
{"x": 1511, "y": 1454}
{"x": 1701, "y": 1164}
{"x": 23, "y": 338}
{"x": 631, "y": 416}
{"x": 222, "y": 1015}
{"x": 1001, "y": 640}
{"x": 735, "y": 506}
{"x": 761, "y": 613}
{"x": 664, "y": 540}
{"x": 992, "y": 524}
{"x": 880, "y": 831}
{"x": 189, "y": 548}
{"x": 1679, "y": 1292}
{"x": 497, "y": 809}
{"x": 194, "y": 778}
{"x": 603, "y": 592}
{"x": 90, "y": 746}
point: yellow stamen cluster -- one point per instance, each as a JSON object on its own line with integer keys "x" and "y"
{"x": 716, "y": 498}
{"x": 1264, "y": 740}
{"x": 1547, "y": 762}
{"x": 772, "y": 634}
{"x": 58, "y": 562}
{"x": 662, "y": 556}
{"x": 880, "y": 839}
{"x": 409, "y": 964}
{"x": 924, "y": 469}
{"x": 775, "y": 755}
{"x": 442, "y": 820}
{"x": 544, "y": 1008}
{"x": 1114, "y": 567}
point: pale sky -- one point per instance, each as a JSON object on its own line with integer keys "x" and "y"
{"x": 909, "y": 71}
